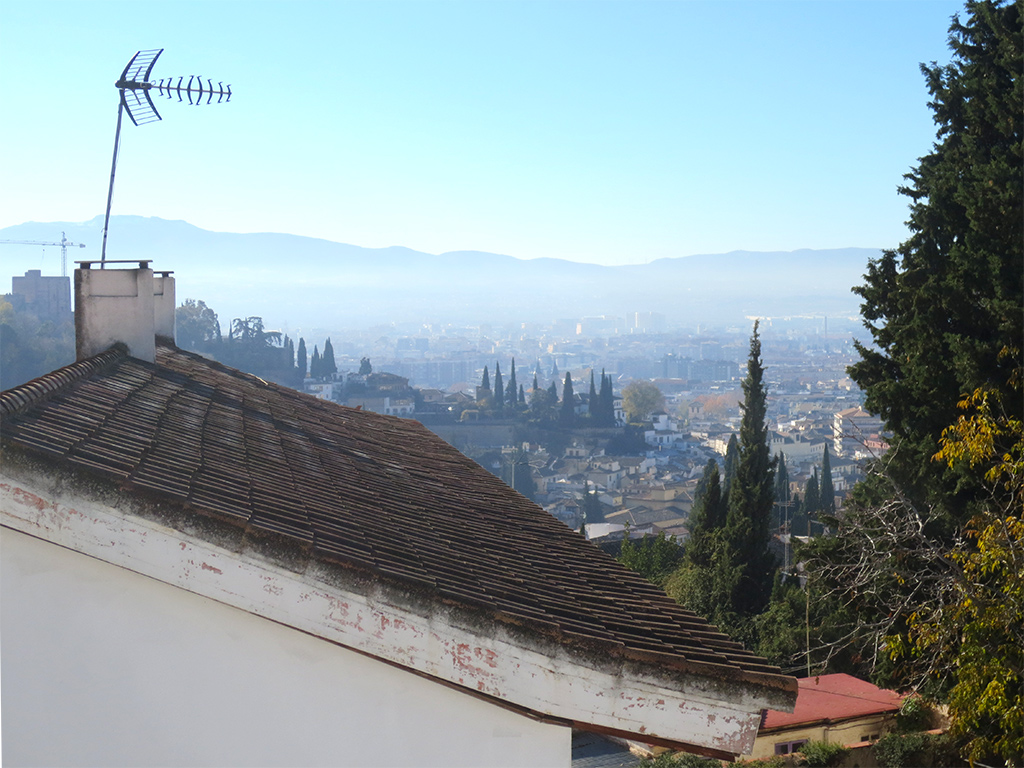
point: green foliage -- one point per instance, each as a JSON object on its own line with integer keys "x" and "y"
{"x": 640, "y": 399}
{"x": 821, "y": 754}
{"x": 826, "y": 493}
{"x": 895, "y": 750}
{"x": 942, "y": 306}
{"x": 593, "y": 512}
{"x": 301, "y": 363}
{"x": 751, "y": 495}
{"x": 707, "y": 516}
{"x": 196, "y": 326}
{"x": 365, "y": 368}
{"x": 328, "y": 366}
{"x": 653, "y": 557}
{"x": 499, "y": 390}
{"x": 628, "y": 442}
{"x": 680, "y": 760}
{"x": 567, "y": 415}
{"x": 914, "y": 715}
{"x": 30, "y": 348}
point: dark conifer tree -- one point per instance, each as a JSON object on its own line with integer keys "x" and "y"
{"x": 607, "y": 401}
{"x": 553, "y": 391}
{"x": 706, "y": 518}
{"x": 592, "y": 403}
{"x": 826, "y": 492}
{"x": 301, "y": 363}
{"x": 522, "y": 396}
{"x": 499, "y": 389}
{"x": 512, "y": 390}
{"x": 944, "y": 308}
{"x": 327, "y": 365}
{"x": 486, "y": 381}
{"x": 567, "y": 416}
{"x": 732, "y": 460}
{"x": 751, "y": 495}
{"x": 812, "y": 500}
{"x": 314, "y": 364}
{"x": 536, "y": 384}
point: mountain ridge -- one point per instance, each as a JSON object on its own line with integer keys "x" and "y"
{"x": 297, "y": 281}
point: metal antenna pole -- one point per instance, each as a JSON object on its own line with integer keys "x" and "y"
{"x": 110, "y": 190}
{"x": 134, "y": 87}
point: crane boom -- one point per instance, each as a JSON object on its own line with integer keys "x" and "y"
{"x": 64, "y": 244}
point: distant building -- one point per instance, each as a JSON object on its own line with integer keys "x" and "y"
{"x": 48, "y": 298}
{"x": 837, "y": 709}
{"x": 857, "y": 434}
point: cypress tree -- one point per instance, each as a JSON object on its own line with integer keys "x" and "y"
{"x": 553, "y": 391}
{"x": 826, "y": 493}
{"x": 706, "y": 518}
{"x": 327, "y": 364}
{"x": 512, "y": 390}
{"x": 607, "y": 401}
{"x": 812, "y": 499}
{"x": 499, "y": 389}
{"x": 522, "y": 396}
{"x": 301, "y": 362}
{"x": 751, "y": 495}
{"x": 592, "y": 403}
{"x": 536, "y": 385}
{"x": 486, "y": 382}
{"x": 314, "y": 364}
{"x": 732, "y": 460}
{"x": 567, "y": 416}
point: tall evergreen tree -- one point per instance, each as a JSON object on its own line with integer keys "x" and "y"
{"x": 485, "y": 383}
{"x": 607, "y": 401}
{"x": 707, "y": 517}
{"x": 826, "y": 492}
{"x": 812, "y": 497}
{"x": 752, "y": 493}
{"x": 732, "y": 460}
{"x": 314, "y": 364}
{"x": 592, "y": 403}
{"x": 536, "y": 384}
{"x": 512, "y": 390}
{"x": 554, "y": 370}
{"x": 945, "y": 308}
{"x": 567, "y": 415}
{"x": 499, "y": 389}
{"x": 522, "y": 397}
{"x": 553, "y": 391}
{"x": 327, "y": 365}
{"x": 781, "y": 491}
{"x": 301, "y": 363}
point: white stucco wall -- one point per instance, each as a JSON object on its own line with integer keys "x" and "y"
{"x": 103, "y": 666}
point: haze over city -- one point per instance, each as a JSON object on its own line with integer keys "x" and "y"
{"x": 609, "y": 133}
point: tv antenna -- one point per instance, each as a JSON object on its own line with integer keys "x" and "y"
{"x": 135, "y": 88}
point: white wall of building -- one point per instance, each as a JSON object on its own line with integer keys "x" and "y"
{"x": 116, "y": 669}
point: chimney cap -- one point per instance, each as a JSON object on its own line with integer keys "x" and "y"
{"x": 143, "y": 263}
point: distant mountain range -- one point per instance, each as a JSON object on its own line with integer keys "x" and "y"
{"x": 302, "y": 282}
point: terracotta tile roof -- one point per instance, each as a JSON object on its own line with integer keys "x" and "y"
{"x": 833, "y": 697}
{"x": 365, "y": 491}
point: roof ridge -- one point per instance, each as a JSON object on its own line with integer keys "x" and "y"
{"x": 17, "y": 399}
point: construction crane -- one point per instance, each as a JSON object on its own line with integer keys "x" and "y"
{"x": 64, "y": 245}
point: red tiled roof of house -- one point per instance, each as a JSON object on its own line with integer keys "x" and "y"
{"x": 833, "y": 697}
{"x": 378, "y": 494}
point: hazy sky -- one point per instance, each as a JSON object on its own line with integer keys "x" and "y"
{"x": 609, "y": 132}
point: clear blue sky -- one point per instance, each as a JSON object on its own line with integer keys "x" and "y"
{"x": 607, "y": 132}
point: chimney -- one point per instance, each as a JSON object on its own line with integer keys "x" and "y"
{"x": 163, "y": 307}
{"x": 117, "y": 305}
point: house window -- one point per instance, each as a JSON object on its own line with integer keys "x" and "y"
{"x": 789, "y": 747}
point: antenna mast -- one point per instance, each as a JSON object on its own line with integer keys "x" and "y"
{"x": 134, "y": 87}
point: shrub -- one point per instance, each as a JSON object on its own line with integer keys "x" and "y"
{"x": 820, "y": 754}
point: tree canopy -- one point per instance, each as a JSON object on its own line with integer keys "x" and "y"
{"x": 640, "y": 399}
{"x": 943, "y": 305}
